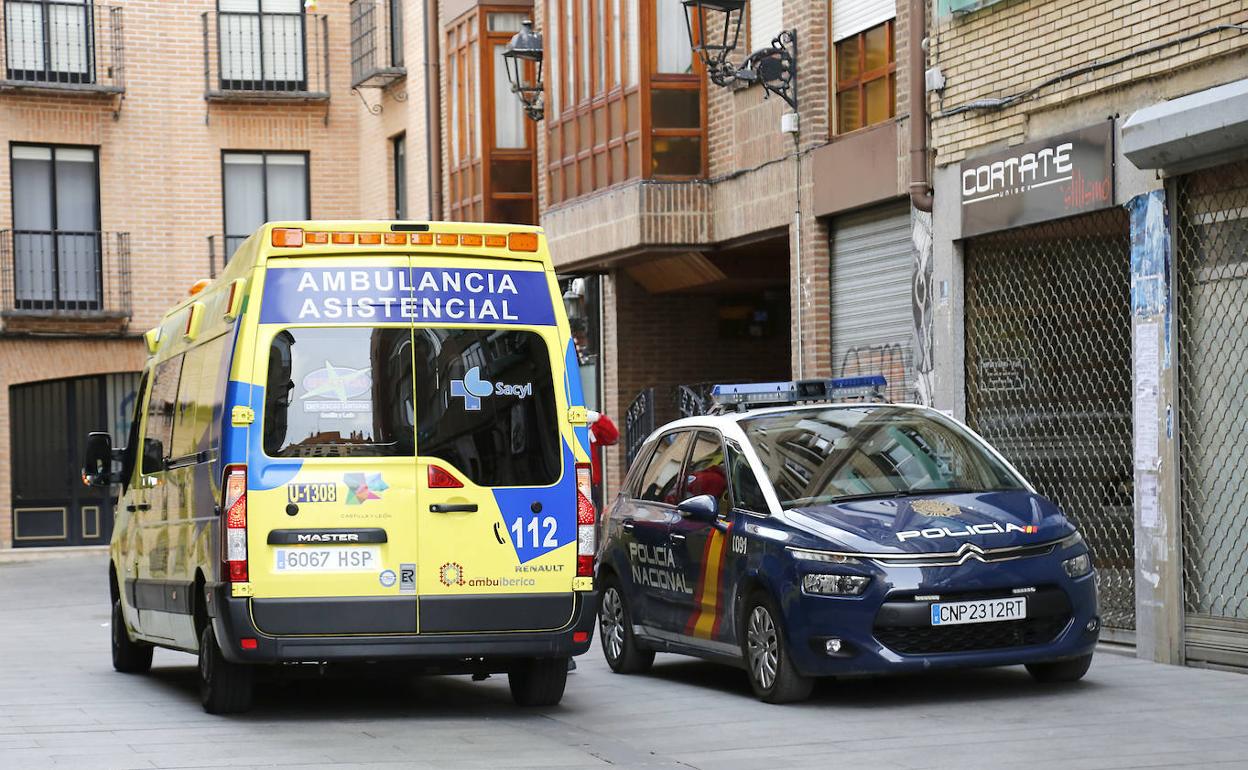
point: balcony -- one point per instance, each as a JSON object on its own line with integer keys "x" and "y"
{"x": 376, "y": 43}
{"x": 47, "y": 45}
{"x": 265, "y": 56}
{"x": 51, "y": 277}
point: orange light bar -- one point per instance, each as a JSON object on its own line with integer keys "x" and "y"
{"x": 468, "y": 239}
{"x": 522, "y": 241}
{"x": 496, "y": 241}
{"x": 344, "y": 238}
{"x": 199, "y": 286}
{"x": 370, "y": 239}
{"x": 316, "y": 237}
{"x": 422, "y": 239}
{"x": 448, "y": 239}
{"x": 396, "y": 239}
{"x": 287, "y": 237}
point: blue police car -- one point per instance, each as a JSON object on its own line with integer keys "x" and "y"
{"x": 807, "y": 529}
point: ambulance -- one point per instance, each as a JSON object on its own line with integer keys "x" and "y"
{"x": 363, "y": 441}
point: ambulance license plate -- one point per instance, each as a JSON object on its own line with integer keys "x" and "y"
{"x": 981, "y": 611}
{"x": 354, "y": 558}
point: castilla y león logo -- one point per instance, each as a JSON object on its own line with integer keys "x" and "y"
{"x": 451, "y": 574}
{"x": 361, "y": 487}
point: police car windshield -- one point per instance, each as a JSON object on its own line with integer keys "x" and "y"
{"x": 826, "y": 455}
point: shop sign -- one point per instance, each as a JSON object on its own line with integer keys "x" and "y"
{"x": 1035, "y": 182}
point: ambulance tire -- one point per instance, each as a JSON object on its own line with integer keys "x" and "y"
{"x": 773, "y": 677}
{"x": 129, "y": 657}
{"x": 623, "y": 651}
{"x": 538, "y": 682}
{"x": 1060, "y": 671}
{"x": 224, "y": 687}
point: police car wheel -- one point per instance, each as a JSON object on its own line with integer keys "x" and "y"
{"x": 1061, "y": 671}
{"x": 538, "y": 682}
{"x": 770, "y": 668}
{"x": 224, "y": 687}
{"x": 623, "y": 652}
{"x": 129, "y": 657}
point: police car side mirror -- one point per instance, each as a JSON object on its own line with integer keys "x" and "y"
{"x": 702, "y": 508}
{"x": 97, "y": 460}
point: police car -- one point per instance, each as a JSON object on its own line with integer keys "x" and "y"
{"x": 807, "y": 529}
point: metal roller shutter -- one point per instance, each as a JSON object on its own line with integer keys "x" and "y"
{"x": 849, "y": 17}
{"x": 872, "y": 315}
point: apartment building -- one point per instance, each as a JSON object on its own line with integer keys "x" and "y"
{"x": 1088, "y": 266}
{"x": 144, "y": 140}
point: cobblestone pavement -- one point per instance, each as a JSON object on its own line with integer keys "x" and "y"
{"x": 62, "y": 706}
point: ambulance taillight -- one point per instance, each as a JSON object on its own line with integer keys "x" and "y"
{"x": 585, "y": 526}
{"x": 234, "y": 523}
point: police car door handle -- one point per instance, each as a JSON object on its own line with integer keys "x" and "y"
{"x": 453, "y": 508}
{"x": 628, "y": 525}
{"x": 677, "y": 536}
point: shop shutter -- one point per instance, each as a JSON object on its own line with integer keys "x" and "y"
{"x": 766, "y": 21}
{"x": 849, "y": 17}
{"x": 872, "y": 316}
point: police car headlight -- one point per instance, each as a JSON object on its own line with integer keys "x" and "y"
{"x": 1078, "y": 566}
{"x": 826, "y": 557}
{"x": 835, "y": 585}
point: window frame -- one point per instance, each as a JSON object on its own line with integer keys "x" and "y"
{"x": 264, "y": 83}
{"x": 49, "y": 74}
{"x": 859, "y": 84}
{"x": 398, "y": 157}
{"x": 264, "y": 180}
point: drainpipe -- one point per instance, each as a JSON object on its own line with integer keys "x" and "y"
{"x": 920, "y": 189}
{"x": 433, "y": 101}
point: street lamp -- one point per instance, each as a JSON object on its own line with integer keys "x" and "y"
{"x": 523, "y": 51}
{"x": 774, "y": 66}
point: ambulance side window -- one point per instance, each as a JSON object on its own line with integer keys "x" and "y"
{"x": 161, "y": 412}
{"x": 129, "y": 458}
{"x": 661, "y": 481}
{"x": 746, "y": 491}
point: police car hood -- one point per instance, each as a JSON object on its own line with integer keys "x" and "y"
{"x": 933, "y": 523}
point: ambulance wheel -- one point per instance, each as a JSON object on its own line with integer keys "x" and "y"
{"x": 623, "y": 652}
{"x": 224, "y": 687}
{"x": 129, "y": 657}
{"x": 538, "y": 682}
{"x": 1062, "y": 670}
{"x": 768, "y": 663}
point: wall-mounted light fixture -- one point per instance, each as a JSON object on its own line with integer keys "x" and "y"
{"x": 774, "y": 67}
{"x": 522, "y": 56}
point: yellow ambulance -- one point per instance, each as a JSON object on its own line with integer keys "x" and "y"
{"x": 364, "y": 441}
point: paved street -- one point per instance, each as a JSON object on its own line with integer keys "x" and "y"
{"x": 62, "y": 706}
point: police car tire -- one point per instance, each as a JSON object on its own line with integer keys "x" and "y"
{"x": 633, "y": 657}
{"x": 538, "y": 682}
{"x": 1060, "y": 671}
{"x": 129, "y": 657}
{"x": 224, "y": 687}
{"x": 788, "y": 686}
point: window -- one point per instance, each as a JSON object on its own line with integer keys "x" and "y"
{"x": 766, "y": 22}
{"x": 262, "y": 187}
{"x": 261, "y": 45}
{"x": 396, "y": 32}
{"x": 660, "y": 483}
{"x": 672, "y": 44}
{"x": 866, "y": 78}
{"x": 56, "y": 238}
{"x": 499, "y": 439}
{"x": 49, "y": 41}
{"x": 161, "y": 411}
{"x": 746, "y": 491}
{"x": 344, "y": 392}
{"x": 201, "y": 391}
{"x": 706, "y": 474}
{"x": 399, "y": 152}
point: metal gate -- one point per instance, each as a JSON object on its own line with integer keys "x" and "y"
{"x": 49, "y": 422}
{"x": 1048, "y": 377}
{"x": 1212, "y": 266}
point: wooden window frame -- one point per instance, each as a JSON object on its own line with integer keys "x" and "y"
{"x": 859, "y": 84}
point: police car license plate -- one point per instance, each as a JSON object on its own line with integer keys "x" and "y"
{"x": 355, "y": 558}
{"x": 981, "y": 611}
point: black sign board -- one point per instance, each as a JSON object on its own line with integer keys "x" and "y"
{"x": 1049, "y": 179}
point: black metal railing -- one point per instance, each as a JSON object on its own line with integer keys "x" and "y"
{"x": 61, "y": 272}
{"x": 260, "y": 56}
{"x": 62, "y": 45}
{"x": 376, "y": 42}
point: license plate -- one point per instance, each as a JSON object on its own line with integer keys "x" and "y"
{"x": 356, "y": 558}
{"x": 981, "y": 611}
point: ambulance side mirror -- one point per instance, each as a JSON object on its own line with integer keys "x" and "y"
{"x": 701, "y": 508}
{"x": 97, "y": 460}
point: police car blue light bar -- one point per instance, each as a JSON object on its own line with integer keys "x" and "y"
{"x": 797, "y": 391}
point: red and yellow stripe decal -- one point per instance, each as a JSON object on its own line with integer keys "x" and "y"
{"x": 707, "y": 598}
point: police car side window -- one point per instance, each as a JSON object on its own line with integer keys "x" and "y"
{"x": 746, "y": 490}
{"x": 705, "y": 473}
{"x": 661, "y": 481}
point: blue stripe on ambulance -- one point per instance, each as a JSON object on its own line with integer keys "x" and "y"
{"x": 558, "y": 501}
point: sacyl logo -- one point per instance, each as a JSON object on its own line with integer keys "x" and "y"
{"x": 472, "y": 389}
{"x": 934, "y": 533}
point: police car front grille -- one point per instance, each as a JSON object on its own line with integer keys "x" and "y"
{"x": 933, "y": 640}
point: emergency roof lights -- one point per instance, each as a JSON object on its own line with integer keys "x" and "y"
{"x": 294, "y": 238}
{"x": 756, "y": 394}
